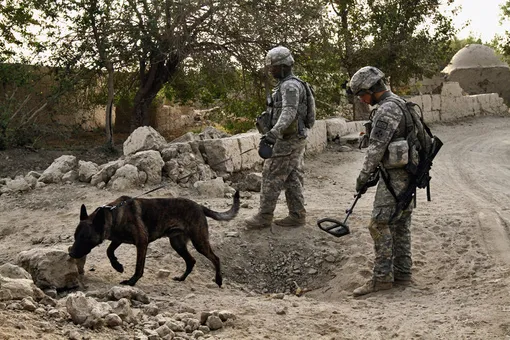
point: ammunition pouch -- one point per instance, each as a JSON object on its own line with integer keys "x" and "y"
{"x": 397, "y": 155}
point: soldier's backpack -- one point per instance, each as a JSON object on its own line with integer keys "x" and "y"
{"x": 306, "y": 111}
{"x": 307, "y": 116}
{"x": 423, "y": 145}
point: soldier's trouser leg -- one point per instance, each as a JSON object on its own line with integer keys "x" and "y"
{"x": 402, "y": 261}
{"x": 294, "y": 184}
{"x": 383, "y": 247}
{"x": 274, "y": 174}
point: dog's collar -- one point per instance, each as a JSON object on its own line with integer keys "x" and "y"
{"x": 113, "y": 207}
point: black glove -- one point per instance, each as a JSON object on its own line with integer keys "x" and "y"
{"x": 265, "y": 149}
{"x": 269, "y": 138}
{"x": 361, "y": 186}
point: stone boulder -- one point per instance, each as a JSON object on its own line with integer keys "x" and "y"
{"x": 252, "y": 182}
{"x": 59, "y": 167}
{"x": 18, "y": 289}
{"x": 50, "y": 268}
{"x": 106, "y": 171}
{"x": 19, "y": 184}
{"x": 149, "y": 162}
{"x": 127, "y": 177}
{"x": 12, "y": 271}
{"x": 211, "y": 188}
{"x": 212, "y": 133}
{"x": 142, "y": 139}
{"x": 184, "y": 164}
{"x": 86, "y": 170}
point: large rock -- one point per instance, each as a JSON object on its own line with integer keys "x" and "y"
{"x": 86, "y": 170}
{"x": 106, "y": 171}
{"x": 127, "y": 292}
{"x": 17, "y": 289}
{"x": 127, "y": 177}
{"x": 12, "y": 271}
{"x": 212, "y": 188}
{"x": 19, "y": 184}
{"x": 81, "y": 308}
{"x": 50, "y": 268}
{"x": 142, "y": 139}
{"x": 253, "y": 182}
{"x": 149, "y": 162}
{"x": 123, "y": 309}
{"x": 228, "y": 155}
{"x": 317, "y": 138}
{"x": 59, "y": 167}
{"x": 31, "y": 178}
{"x": 212, "y": 133}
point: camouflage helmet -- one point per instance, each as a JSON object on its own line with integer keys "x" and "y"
{"x": 365, "y": 78}
{"x": 279, "y": 56}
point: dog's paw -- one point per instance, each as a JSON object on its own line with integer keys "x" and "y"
{"x": 118, "y": 267}
{"x": 129, "y": 282}
{"x": 178, "y": 278}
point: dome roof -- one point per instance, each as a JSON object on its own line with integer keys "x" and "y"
{"x": 474, "y": 56}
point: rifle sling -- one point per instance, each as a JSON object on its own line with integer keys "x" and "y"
{"x": 386, "y": 178}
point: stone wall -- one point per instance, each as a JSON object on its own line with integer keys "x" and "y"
{"x": 452, "y": 104}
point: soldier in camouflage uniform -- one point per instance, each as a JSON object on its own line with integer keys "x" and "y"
{"x": 284, "y": 170}
{"x": 391, "y": 234}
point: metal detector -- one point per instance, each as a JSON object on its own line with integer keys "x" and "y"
{"x": 335, "y": 227}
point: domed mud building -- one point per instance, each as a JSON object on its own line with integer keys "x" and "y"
{"x": 479, "y": 70}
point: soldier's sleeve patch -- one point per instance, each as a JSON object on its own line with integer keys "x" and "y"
{"x": 382, "y": 131}
{"x": 381, "y": 125}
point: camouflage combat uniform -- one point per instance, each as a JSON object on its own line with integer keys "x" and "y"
{"x": 284, "y": 170}
{"x": 392, "y": 237}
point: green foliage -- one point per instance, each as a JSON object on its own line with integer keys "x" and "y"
{"x": 502, "y": 44}
{"x": 393, "y": 35}
{"x": 209, "y": 54}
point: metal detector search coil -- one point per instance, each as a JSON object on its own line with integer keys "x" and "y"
{"x": 335, "y": 227}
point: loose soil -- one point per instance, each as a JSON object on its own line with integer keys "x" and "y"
{"x": 461, "y": 252}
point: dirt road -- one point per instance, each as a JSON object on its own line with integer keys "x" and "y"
{"x": 461, "y": 253}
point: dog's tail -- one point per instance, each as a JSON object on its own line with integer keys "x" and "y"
{"x": 226, "y": 215}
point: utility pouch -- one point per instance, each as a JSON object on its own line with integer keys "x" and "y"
{"x": 263, "y": 123}
{"x": 364, "y": 137}
{"x": 397, "y": 154}
{"x": 302, "y": 130}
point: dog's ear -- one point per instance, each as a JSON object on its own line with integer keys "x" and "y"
{"x": 99, "y": 220}
{"x": 83, "y": 213}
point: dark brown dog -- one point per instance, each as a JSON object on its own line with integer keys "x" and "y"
{"x": 140, "y": 221}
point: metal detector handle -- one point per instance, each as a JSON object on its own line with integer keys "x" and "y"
{"x": 349, "y": 211}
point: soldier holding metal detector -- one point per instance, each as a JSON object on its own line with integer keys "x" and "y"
{"x": 400, "y": 154}
{"x": 290, "y": 112}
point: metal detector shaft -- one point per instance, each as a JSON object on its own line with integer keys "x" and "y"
{"x": 349, "y": 211}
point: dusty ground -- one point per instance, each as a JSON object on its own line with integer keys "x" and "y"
{"x": 461, "y": 251}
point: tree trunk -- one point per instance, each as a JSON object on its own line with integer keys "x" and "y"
{"x": 150, "y": 83}
{"x": 109, "y": 107}
{"x": 347, "y": 60}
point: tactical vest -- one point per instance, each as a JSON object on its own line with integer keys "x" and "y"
{"x": 400, "y": 152}
{"x": 276, "y": 109}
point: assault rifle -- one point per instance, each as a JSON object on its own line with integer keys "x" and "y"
{"x": 420, "y": 180}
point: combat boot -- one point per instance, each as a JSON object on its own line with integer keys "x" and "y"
{"x": 259, "y": 221}
{"x": 404, "y": 280}
{"x": 291, "y": 221}
{"x": 372, "y": 286}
